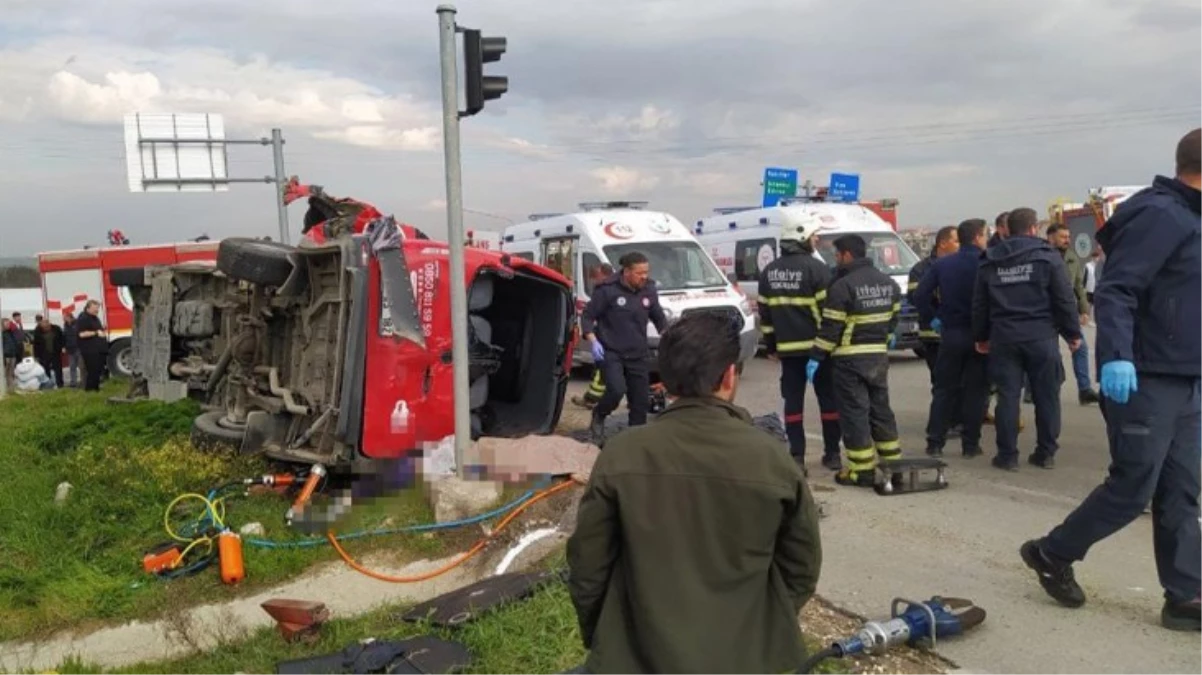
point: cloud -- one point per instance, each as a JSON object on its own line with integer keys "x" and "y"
{"x": 622, "y": 181}
{"x": 253, "y": 93}
{"x": 956, "y": 109}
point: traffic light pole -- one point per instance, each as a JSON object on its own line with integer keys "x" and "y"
{"x": 450, "y": 135}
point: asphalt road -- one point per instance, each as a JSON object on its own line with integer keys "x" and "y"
{"x": 963, "y": 542}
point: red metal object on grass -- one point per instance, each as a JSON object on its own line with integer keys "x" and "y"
{"x": 297, "y": 619}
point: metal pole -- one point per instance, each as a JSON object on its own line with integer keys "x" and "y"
{"x": 450, "y": 143}
{"x": 277, "y": 149}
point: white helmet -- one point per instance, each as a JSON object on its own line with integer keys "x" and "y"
{"x": 799, "y": 227}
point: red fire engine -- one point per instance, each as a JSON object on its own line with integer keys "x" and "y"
{"x": 71, "y": 278}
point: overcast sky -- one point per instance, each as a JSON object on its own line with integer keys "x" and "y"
{"x": 957, "y": 109}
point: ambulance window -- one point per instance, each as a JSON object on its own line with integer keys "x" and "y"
{"x": 528, "y": 255}
{"x": 560, "y": 255}
{"x": 591, "y": 265}
{"x": 752, "y": 256}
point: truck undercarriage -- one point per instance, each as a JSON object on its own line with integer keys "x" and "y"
{"x": 301, "y": 352}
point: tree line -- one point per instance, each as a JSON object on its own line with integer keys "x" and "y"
{"x": 20, "y": 276}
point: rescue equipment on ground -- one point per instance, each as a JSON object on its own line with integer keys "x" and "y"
{"x": 901, "y": 476}
{"x": 911, "y": 623}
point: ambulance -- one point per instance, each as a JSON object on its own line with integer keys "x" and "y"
{"x": 577, "y": 244}
{"x": 744, "y": 240}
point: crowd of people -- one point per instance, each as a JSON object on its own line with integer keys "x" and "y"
{"x": 704, "y": 489}
{"x": 52, "y": 356}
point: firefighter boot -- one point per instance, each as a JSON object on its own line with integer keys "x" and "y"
{"x": 854, "y": 479}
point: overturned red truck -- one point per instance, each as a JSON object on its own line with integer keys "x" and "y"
{"x": 339, "y": 349}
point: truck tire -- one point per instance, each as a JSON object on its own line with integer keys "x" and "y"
{"x": 208, "y": 434}
{"x": 260, "y": 262}
{"x": 121, "y": 358}
{"x": 128, "y": 276}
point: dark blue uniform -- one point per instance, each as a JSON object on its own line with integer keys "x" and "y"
{"x": 1021, "y": 301}
{"x": 1148, "y": 308}
{"x": 961, "y": 390}
{"x": 618, "y": 316}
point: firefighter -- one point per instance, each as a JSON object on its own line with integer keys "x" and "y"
{"x": 1022, "y": 301}
{"x": 946, "y": 242}
{"x": 615, "y": 324}
{"x": 791, "y": 291}
{"x": 858, "y": 322}
{"x": 961, "y": 389}
{"x": 596, "y": 386}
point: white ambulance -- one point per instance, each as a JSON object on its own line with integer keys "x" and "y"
{"x": 576, "y": 244}
{"x": 745, "y": 240}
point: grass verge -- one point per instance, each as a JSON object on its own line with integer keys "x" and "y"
{"x": 537, "y": 635}
{"x": 78, "y": 565}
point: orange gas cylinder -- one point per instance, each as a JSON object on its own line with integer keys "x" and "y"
{"x": 229, "y": 548}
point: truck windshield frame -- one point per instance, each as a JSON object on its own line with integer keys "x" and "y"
{"x": 879, "y": 245}
{"x": 675, "y": 265}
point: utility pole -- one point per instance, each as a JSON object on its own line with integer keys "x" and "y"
{"x": 477, "y": 51}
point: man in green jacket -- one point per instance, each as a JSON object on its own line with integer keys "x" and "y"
{"x": 1059, "y": 237}
{"x": 696, "y": 543}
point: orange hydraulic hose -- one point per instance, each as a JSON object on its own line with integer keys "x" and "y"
{"x": 476, "y": 548}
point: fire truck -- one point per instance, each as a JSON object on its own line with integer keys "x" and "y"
{"x": 485, "y": 239}
{"x": 1083, "y": 219}
{"x": 71, "y": 278}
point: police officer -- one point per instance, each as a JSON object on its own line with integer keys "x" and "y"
{"x": 791, "y": 291}
{"x": 1021, "y": 301}
{"x": 858, "y": 322}
{"x": 961, "y": 389}
{"x": 1149, "y": 353}
{"x": 946, "y": 242}
{"x": 615, "y": 324}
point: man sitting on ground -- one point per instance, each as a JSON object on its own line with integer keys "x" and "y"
{"x": 696, "y": 543}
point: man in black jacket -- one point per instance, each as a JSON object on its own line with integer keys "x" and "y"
{"x": 791, "y": 292}
{"x": 48, "y": 346}
{"x": 858, "y": 323}
{"x": 961, "y": 390}
{"x": 947, "y": 241}
{"x": 615, "y": 324}
{"x": 1149, "y": 354}
{"x": 1022, "y": 301}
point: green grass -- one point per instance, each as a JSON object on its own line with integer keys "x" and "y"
{"x": 537, "y": 635}
{"x": 79, "y": 564}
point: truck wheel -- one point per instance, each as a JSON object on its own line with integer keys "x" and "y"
{"x": 128, "y": 276}
{"x": 121, "y": 358}
{"x": 254, "y": 260}
{"x": 209, "y": 434}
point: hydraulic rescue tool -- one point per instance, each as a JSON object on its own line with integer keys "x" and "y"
{"x": 912, "y": 623}
{"x": 900, "y": 476}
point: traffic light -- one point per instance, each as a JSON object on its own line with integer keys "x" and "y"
{"x": 479, "y": 87}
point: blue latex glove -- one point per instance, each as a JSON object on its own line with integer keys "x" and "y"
{"x": 811, "y": 368}
{"x": 598, "y": 351}
{"x": 893, "y": 341}
{"x": 937, "y": 326}
{"x": 1118, "y": 380}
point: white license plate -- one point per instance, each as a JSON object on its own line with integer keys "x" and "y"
{"x": 907, "y": 327}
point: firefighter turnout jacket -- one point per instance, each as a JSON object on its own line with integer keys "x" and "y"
{"x": 860, "y": 312}
{"x": 791, "y": 292}
{"x": 917, "y": 272}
